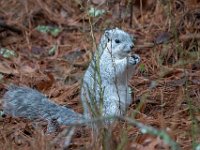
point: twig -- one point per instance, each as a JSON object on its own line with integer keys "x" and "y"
{"x": 145, "y": 45}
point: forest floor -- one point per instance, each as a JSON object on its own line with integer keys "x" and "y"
{"x": 47, "y": 45}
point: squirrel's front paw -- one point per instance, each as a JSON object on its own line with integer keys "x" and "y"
{"x": 134, "y": 59}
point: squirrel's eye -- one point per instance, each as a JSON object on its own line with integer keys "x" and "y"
{"x": 117, "y": 41}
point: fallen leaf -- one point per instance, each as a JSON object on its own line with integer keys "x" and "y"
{"x": 163, "y": 38}
{"x": 4, "y": 68}
{"x": 7, "y": 53}
{"x": 54, "y": 31}
{"x": 26, "y": 69}
{"x": 53, "y": 50}
{"x": 93, "y": 12}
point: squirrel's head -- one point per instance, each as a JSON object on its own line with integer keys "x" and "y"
{"x": 117, "y": 42}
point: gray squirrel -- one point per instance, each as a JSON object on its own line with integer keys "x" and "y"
{"x": 105, "y": 83}
{"x": 104, "y": 89}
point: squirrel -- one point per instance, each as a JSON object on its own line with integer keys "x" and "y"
{"x": 104, "y": 88}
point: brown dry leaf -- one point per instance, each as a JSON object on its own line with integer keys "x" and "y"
{"x": 73, "y": 22}
{"x": 44, "y": 82}
{"x": 27, "y": 70}
{"x": 4, "y": 68}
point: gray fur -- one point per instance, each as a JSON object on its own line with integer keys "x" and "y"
{"x": 114, "y": 65}
{"x": 31, "y": 104}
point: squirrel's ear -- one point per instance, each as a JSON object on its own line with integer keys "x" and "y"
{"x": 107, "y": 34}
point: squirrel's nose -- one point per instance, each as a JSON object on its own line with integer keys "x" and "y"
{"x": 128, "y": 51}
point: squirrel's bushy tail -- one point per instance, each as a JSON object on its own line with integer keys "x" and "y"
{"x": 29, "y": 103}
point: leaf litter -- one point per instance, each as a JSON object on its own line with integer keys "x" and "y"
{"x": 166, "y": 85}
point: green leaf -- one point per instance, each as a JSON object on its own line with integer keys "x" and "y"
{"x": 54, "y": 31}
{"x": 43, "y": 29}
{"x": 6, "y": 53}
{"x": 53, "y": 50}
{"x": 142, "y": 68}
{"x": 93, "y": 12}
